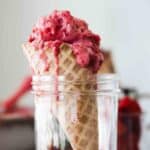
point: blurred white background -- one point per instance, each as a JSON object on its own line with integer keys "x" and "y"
{"x": 123, "y": 26}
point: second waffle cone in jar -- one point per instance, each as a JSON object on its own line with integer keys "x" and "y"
{"x": 82, "y": 131}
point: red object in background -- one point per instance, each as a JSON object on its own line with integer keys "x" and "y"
{"x": 53, "y": 148}
{"x": 129, "y": 124}
{"x": 16, "y": 123}
{"x": 129, "y": 105}
{"x": 8, "y": 104}
{"x": 17, "y": 113}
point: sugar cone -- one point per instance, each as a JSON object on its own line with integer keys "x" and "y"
{"x": 82, "y": 131}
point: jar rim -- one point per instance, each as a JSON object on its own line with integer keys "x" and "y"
{"x": 100, "y": 78}
{"x": 101, "y": 83}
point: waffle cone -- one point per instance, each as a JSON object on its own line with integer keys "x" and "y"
{"x": 79, "y": 117}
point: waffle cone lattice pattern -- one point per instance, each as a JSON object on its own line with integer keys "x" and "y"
{"x": 79, "y": 121}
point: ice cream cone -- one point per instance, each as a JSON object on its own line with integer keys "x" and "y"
{"x": 82, "y": 130}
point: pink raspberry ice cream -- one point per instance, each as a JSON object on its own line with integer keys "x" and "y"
{"x": 61, "y": 27}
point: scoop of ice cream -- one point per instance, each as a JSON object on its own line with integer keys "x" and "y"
{"x": 61, "y": 27}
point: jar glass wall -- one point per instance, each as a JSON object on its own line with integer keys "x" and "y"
{"x": 76, "y": 115}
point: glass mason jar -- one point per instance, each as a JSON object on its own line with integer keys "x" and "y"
{"x": 76, "y": 115}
